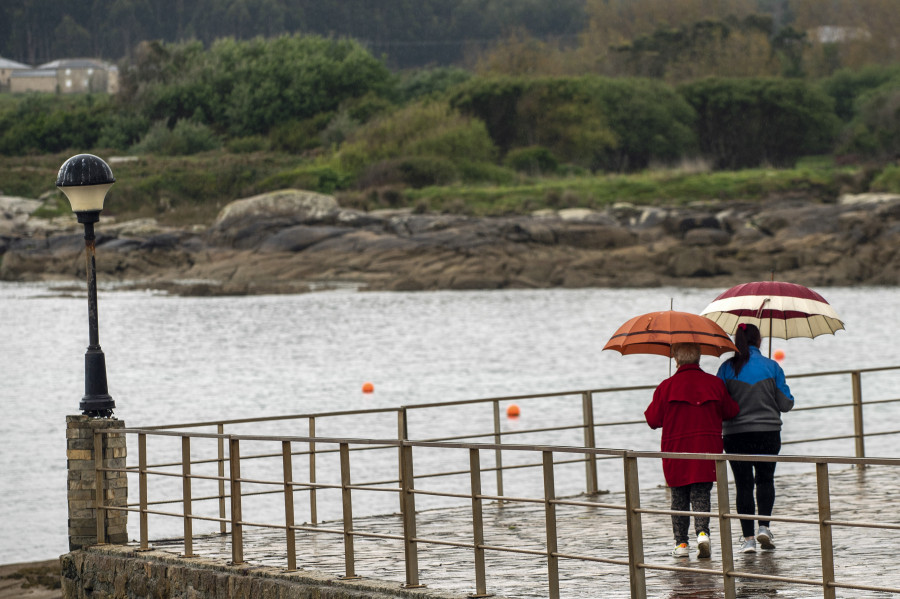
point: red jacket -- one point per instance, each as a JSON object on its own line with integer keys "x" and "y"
{"x": 690, "y": 407}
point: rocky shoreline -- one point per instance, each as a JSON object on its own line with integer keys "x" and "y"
{"x": 293, "y": 241}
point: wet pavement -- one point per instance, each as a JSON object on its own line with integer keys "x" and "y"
{"x": 862, "y": 556}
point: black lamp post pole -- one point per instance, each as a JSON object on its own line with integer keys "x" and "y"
{"x": 85, "y": 179}
{"x": 96, "y": 401}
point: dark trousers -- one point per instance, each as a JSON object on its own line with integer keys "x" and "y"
{"x": 750, "y": 474}
{"x": 690, "y": 498}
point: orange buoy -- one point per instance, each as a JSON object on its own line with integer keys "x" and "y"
{"x": 368, "y": 387}
{"x": 778, "y": 355}
{"x": 512, "y": 411}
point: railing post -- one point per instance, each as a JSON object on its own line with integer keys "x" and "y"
{"x": 237, "y": 527}
{"x": 220, "y": 442}
{"x": 313, "y": 517}
{"x": 98, "y": 486}
{"x": 636, "y": 575}
{"x": 186, "y": 496}
{"x": 826, "y": 545}
{"x": 349, "y": 557}
{"x": 408, "y": 512}
{"x": 498, "y": 453}
{"x": 142, "y": 490}
{"x": 550, "y": 526}
{"x": 590, "y": 464}
{"x": 290, "y": 533}
{"x": 856, "y": 379}
{"x": 725, "y": 529}
{"x": 477, "y": 524}
{"x": 402, "y": 435}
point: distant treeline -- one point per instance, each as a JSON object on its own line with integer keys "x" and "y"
{"x": 407, "y": 32}
{"x": 674, "y": 40}
{"x": 351, "y": 122}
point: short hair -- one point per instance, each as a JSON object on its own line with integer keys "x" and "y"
{"x": 686, "y": 353}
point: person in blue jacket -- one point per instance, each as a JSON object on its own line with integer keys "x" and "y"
{"x": 758, "y": 385}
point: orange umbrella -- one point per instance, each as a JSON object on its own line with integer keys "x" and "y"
{"x": 656, "y": 332}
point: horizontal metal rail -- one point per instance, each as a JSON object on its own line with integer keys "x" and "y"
{"x": 405, "y": 484}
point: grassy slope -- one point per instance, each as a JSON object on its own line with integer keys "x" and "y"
{"x": 192, "y": 189}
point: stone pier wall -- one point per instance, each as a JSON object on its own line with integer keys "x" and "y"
{"x": 82, "y": 487}
{"x": 121, "y": 572}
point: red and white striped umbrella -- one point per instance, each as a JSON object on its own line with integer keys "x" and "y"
{"x": 784, "y": 310}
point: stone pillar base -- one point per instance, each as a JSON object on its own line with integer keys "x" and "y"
{"x": 82, "y": 481}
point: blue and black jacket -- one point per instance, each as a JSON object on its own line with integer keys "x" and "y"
{"x": 760, "y": 391}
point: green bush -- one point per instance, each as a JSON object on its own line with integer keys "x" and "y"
{"x": 320, "y": 178}
{"x": 184, "y": 139}
{"x": 247, "y": 145}
{"x": 745, "y": 123}
{"x": 887, "y": 181}
{"x": 875, "y": 132}
{"x": 46, "y": 123}
{"x": 122, "y": 130}
{"x": 420, "y": 129}
{"x": 430, "y": 83}
{"x": 298, "y": 136}
{"x": 846, "y": 86}
{"x": 249, "y": 87}
{"x": 485, "y": 172}
{"x": 534, "y": 160}
{"x": 592, "y": 122}
{"x": 414, "y": 171}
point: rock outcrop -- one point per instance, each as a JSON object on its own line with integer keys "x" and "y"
{"x": 293, "y": 241}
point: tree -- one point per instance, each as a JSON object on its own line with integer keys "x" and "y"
{"x": 746, "y": 123}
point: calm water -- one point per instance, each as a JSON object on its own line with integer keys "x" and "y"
{"x": 191, "y": 359}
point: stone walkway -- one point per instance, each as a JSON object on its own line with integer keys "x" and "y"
{"x": 863, "y": 556}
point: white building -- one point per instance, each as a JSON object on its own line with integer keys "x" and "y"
{"x": 67, "y": 76}
{"x": 7, "y": 68}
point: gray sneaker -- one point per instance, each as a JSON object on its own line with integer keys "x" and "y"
{"x": 766, "y": 538}
{"x": 748, "y": 545}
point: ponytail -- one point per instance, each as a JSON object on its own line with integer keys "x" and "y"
{"x": 745, "y": 336}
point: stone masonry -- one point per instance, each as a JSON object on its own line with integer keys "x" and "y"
{"x": 82, "y": 481}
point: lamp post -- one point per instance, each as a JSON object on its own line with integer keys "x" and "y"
{"x": 85, "y": 179}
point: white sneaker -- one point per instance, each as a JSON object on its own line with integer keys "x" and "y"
{"x": 703, "y": 545}
{"x": 766, "y": 538}
{"x": 681, "y": 550}
{"x": 748, "y": 545}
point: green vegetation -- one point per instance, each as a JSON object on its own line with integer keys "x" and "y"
{"x": 192, "y": 189}
{"x": 651, "y": 101}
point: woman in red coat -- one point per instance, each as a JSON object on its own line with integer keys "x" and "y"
{"x": 690, "y": 407}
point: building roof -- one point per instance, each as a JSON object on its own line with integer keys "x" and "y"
{"x": 6, "y": 63}
{"x": 32, "y": 73}
{"x": 75, "y": 63}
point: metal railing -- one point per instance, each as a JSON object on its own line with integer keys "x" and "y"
{"x": 230, "y": 490}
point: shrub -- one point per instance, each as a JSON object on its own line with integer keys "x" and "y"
{"x": 44, "y": 123}
{"x": 298, "y": 136}
{"x": 875, "y": 132}
{"x": 184, "y": 139}
{"x": 421, "y": 129}
{"x": 247, "y": 145}
{"x": 320, "y": 178}
{"x": 745, "y": 123}
{"x": 534, "y": 160}
{"x": 592, "y": 122}
{"x": 485, "y": 172}
{"x": 887, "y": 181}
{"x": 414, "y": 171}
{"x": 122, "y": 130}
